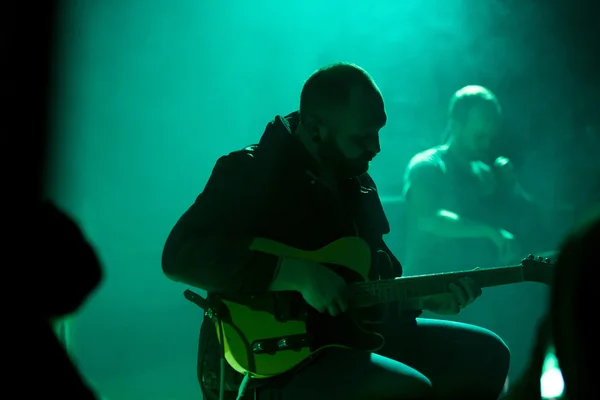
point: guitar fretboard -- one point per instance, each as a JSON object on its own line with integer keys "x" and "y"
{"x": 404, "y": 289}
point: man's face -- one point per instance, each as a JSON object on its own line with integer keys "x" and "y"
{"x": 352, "y": 135}
{"x": 479, "y": 131}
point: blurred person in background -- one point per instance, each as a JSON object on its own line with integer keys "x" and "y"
{"x": 573, "y": 294}
{"x": 53, "y": 268}
{"x": 465, "y": 206}
{"x": 561, "y": 363}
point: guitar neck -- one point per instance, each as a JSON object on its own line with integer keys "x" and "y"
{"x": 404, "y": 289}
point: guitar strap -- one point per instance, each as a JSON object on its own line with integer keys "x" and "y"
{"x": 383, "y": 265}
{"x": 213, "y": 310}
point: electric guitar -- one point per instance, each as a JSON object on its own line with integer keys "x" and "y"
{"x": 259, "y": 342}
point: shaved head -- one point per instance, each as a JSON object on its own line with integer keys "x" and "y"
{"x": 341, "y": 113}
{"x": 329, "y": 89}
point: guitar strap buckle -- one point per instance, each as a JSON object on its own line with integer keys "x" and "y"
{"x": 213, "y": 310}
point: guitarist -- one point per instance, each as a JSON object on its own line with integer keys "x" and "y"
{"x": 305, "y": 184}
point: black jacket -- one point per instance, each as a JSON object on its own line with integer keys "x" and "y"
{"x": 269, "y": 190}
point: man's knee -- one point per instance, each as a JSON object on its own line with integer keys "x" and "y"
{"x": 500, "y": 350}
{"x": 421, "y": 388}
{"x": 419, "y": 383}
{"x": 397, "y": 381}
{"x": 498, "y": 355}
{"x": 412, "y": 385}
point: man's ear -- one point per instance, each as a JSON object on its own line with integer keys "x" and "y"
{"x": 315, "y": 127}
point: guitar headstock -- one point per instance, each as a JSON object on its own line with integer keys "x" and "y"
{"x": 538, "y": 269}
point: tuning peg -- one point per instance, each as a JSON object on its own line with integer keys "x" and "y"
{"x": 530, "y": 257}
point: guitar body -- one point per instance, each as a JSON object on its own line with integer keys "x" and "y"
{"x": 259, "y": 342}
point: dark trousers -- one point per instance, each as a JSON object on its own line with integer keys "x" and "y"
{"x": 427, "y": 359}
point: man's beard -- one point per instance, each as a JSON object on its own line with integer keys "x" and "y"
{"x": 333, "y": 159}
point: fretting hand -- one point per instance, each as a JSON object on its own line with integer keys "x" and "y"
{"x": 462, "y": 293}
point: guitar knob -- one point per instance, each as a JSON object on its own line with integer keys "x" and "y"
{"x": 530, "y": 257}
{"x": 257, "y": 347}
{"x": 282, "y": 344}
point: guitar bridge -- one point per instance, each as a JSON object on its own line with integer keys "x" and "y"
{"x": 274, "y": 345}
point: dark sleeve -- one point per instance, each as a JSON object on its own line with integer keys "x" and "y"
{"x": 208, "y": 247}
{"x": 377, "y": 221}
